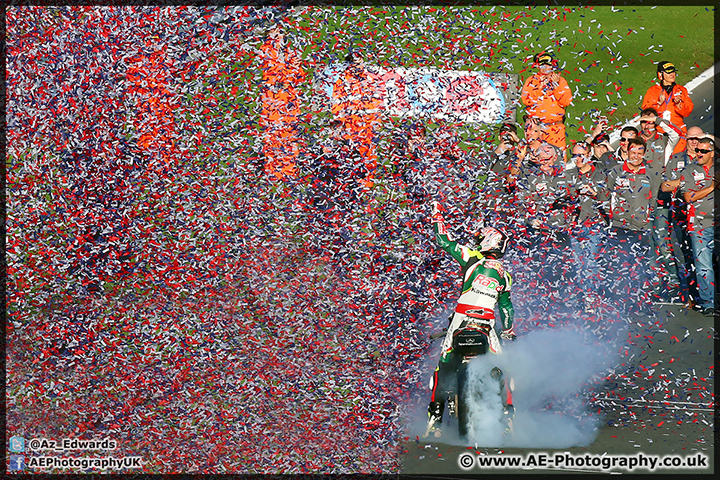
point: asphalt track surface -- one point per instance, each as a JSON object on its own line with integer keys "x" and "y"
{"x": 680, "y": 341}
{"x": 702, "y": 93}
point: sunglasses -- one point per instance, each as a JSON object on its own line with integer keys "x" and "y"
{"x": 702, "y": 150}
{"x": 693, "y": 139}
{"x": 624, "y": 139}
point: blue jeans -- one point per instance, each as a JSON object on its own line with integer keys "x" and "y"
{"x": 684, "y": 253}
{"x": 703, "y": 243}
{"x": 585, "y": 243}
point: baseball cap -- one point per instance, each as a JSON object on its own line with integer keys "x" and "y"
{"x": 666, "y": 67}
{"x": 543, "y": 59}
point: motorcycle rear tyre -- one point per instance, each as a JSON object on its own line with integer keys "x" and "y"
{"x": 463, "y": 410}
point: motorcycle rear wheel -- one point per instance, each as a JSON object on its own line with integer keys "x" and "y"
{"x": 463, "y": 408}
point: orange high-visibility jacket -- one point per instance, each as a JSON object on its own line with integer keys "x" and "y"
{"x": 356, "y": 93}
{"x": 677, "y": 115}
{"x": 549, "y": 107}
{"x": 282, "y": 74}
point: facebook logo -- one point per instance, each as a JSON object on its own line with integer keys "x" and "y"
{"x": 17, "y": 462}
{"x": 17, "y": 444}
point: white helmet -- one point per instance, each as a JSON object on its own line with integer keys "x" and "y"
{"x": 493, "y": 242}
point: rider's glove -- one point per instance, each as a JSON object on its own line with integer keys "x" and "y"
{"x": 436, "y": 214}
{"x": 508, "y": 334}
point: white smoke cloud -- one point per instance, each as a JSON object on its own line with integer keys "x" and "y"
{"x": 552, "y": 371}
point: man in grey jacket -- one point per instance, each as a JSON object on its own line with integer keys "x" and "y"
{"x": 682, "y": 248}
{"x": 546, "y": 203}
{"x": 631, "y": 192}
{"x": 657, "y": 153}
{"x": 588, "y": 226}
{"x": 698, "y": 186}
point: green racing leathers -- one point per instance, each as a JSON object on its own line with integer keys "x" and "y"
{"x": 485, "y": 284}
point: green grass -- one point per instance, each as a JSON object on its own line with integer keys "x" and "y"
{"x": 609, "y": 54}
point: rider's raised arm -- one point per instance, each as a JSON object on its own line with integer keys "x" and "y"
{"x": 459, "y": 252}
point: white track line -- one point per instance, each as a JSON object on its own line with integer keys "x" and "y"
{"x": 660, "y": 404}
{"x": 709, "y": 73}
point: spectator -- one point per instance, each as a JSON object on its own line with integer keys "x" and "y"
{"x": 504, "y": 159}
{"x": 546, "y": 95}
{"x": 509, "y": 142}
{"x": 698, "y": 185}
{"x": 280, "y": 100}
{"x": 357, "y": 103}
{"x": 599, "y": 140}
{"x": 543, "y": 191}
{"x": 682, "y": 247}
{"x": 600, "y": 127}
{"x": 498, "y": 191}
{"x": 587, "y": 226}
{"x": 610, "y": 159}
{"x": 671, "y": 100}
{"x": 660, "y": 143}
{"x": 325, "y": 179}
{"x": 631, "y": 190}
{"x": 532, "y": 145}
{"x": 658, "y": 150}
{"x": 504, "y": 188}
{"x": 600, "y": 146}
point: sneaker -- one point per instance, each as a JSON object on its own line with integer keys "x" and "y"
{"x": 710, "y": 312}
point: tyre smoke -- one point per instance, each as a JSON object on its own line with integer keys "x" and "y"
{"x": 552, "y": 371}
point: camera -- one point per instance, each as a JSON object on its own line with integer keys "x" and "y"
{"x": 509, "y": 139}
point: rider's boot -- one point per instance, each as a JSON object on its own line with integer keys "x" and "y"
{"x": 435, "y": 413}
{"x": 509, "y": 417}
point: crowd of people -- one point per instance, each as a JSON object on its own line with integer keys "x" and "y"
{"x": 616, "y": 228}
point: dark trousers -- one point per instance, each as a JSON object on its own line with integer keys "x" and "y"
{"x": 549, "y": 269}
{"x": 630, "y": 275}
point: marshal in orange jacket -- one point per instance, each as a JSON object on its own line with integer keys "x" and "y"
{"x": 547, "y": 102}
{"x": 678, "y": 110}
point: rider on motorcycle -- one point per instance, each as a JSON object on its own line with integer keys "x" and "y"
{"x": 485, "y": 284}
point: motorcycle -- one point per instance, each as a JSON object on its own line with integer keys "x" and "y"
{"x": 470, "y": 341}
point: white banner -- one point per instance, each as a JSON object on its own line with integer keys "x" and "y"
{"x": 470, "y": 97}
